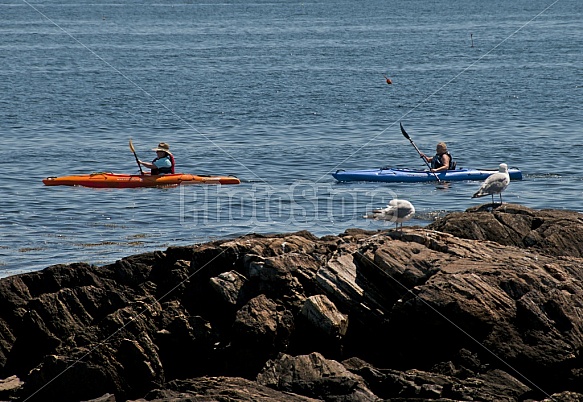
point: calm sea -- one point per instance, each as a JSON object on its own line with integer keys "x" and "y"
{"x": 279, "y": 93}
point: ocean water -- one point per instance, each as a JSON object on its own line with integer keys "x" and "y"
{"x": 280, "y": 94}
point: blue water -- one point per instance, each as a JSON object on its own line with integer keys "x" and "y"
{"x": 279, "y": 93}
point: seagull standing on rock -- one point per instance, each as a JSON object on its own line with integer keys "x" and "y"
{"x": 495, "y": 183}
{"x": 398, "y": 211}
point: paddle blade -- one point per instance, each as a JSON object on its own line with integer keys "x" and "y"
{"x": 404, "y": 132}
{"x": 132, "y": 146}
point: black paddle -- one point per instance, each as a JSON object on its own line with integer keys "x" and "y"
{"x": 417, "y": 149}
{"x": 137, "y": 161}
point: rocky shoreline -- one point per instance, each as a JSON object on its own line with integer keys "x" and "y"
{"x": 481, "y": 305}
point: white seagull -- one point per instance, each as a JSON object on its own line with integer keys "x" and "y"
{"x": 397, "y": 211}
{"x": 495, "y": 183}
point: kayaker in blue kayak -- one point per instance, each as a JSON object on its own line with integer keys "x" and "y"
{"x": 164, "y": 161}
{"x": 442, "y": 160}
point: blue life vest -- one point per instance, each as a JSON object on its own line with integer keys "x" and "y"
{"x": 436, "y": 162}
{"x": 164, "y": 170}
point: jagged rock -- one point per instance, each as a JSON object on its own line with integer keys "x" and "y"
{"x": 482, "y": 293}
{"x": 564, "y": 397}
{"x": 480, "y": 303}
{"x": 338, "y": 278}
{"x": 324, "y": 316}
{"x": 220, "y": 389}
{"x": 104, "y": 398}
{"x": 142, "y": 368}
{"x": 494, "y": 385}
{"x": 342, "y": 282}
{"x": 71, "y": 378}
{"x": 315, "y": 376}
{"x": 277, "y": 276}
{"x": 229, "y": 286}
{"x": 554, "y": 232}
{"x": 185, "y": 344}
{"x": 261, "y": 329}
{"x": 9, "y": 387}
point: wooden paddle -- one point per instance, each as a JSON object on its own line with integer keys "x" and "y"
{"x": 417, "y": 149}
{"x": 136, "y": 156}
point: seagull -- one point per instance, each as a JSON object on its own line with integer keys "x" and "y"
{"x": 495, "y": 183}
{"x": 397, "y": 211}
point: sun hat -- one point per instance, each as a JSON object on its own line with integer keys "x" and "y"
{"x": 163, "y": 147}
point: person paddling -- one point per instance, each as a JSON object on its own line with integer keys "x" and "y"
{"x": 164, "y": 161}
{"x": 442, "y": 160}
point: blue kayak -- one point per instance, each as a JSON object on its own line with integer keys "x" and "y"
{"x": 395, "y": 175}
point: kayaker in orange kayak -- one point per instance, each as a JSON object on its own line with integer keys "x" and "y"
{"x": 164, "y": 161}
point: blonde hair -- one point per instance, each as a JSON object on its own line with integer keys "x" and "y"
{"x": 441, "y": 147}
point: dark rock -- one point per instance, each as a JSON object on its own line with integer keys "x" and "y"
{"x": 493, "y": 385}
{"x": 319, "y": 311}
{"x": 261, "y": 329}
{"x": 142, "y": 368}
{"x": 68, "y": 378}
{"x": 230, "y": 287}
{"x": 103, "y": 398}
{"x": 314, "y": 376}
{"x": 186, "y": 345}
{"x": 564, "y": 397}
{"x": 211, "y": 389}
{"x": 553, "y": 232}
{"x": 481, "y": 305}
{"x": 10, "y": 387}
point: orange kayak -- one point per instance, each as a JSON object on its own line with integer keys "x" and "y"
{"x": 115, "y": 180}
